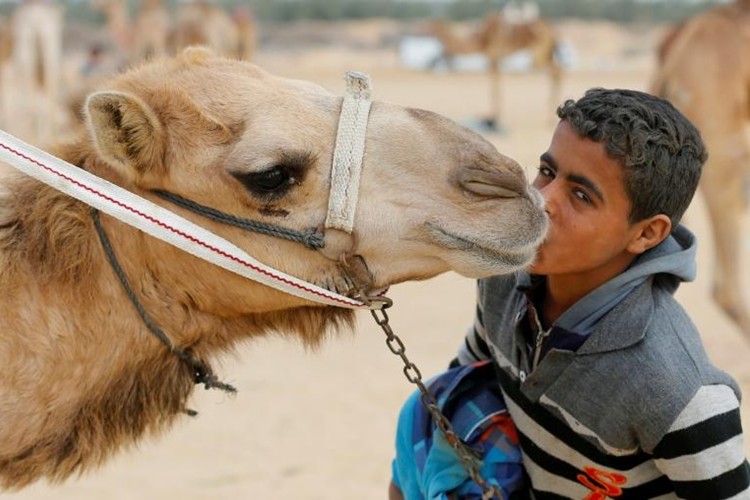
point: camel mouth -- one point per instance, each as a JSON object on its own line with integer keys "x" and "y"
{"x": 505, "y": 258}
{"x": 344, "y": 285}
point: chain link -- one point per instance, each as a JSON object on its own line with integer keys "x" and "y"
{"x": 469, "y": 458}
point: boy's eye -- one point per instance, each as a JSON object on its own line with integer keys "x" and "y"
{"x": 544, "y": 176}
{"x": 581, "y": 195}
{"x": 546, "y": 171}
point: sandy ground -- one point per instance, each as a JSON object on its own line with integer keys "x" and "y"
{"x": 314, "y": 425}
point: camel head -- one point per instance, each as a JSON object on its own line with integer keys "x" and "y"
{"x": 433, "y": 196}
{"x": 84, "y": 374}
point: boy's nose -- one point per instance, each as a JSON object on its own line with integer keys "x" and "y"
{"x": 550, "y": 194}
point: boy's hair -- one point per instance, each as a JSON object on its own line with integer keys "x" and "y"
{"x": 662, "y": 152}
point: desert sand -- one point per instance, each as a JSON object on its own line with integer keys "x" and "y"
{"x": 320, "y": 424}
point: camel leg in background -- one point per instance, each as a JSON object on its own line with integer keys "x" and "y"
{"x": 6, "y": 101}
{"x": 545, "y": 58}
{"x": 50, "y": 44}
{"x": 722, "y": 190}
{"x": 555, "y": 79}
{"x": 37, "y": 42}
{"x": 555, "y": 72}
{"x": 22, "y": 107}
{"x": 494, "y": 121}
{"x": 6, "y": 52}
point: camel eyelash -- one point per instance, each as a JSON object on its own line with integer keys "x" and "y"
{"x": 276, "y": 180}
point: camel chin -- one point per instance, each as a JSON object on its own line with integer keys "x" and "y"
{"x": 482, "y": 262}
{"x": 478, "y": 257}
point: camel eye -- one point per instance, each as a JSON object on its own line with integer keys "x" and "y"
{"x": 286, "y": 171}
{"x": 274, "y": 181}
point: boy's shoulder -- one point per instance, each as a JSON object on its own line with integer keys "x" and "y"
{"x": 653, "y": 333}
{"x": 647, "y": 360}
{"x": 648, "y": 315}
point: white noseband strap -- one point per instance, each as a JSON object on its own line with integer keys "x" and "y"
{"x": 349, "y": 153}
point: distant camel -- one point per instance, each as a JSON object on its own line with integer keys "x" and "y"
{"x": 37, "y": 69}
{"x": 138, "y": 38}
{"x": 118, "y": 26}
{"x": 202, "y": 22}
{"x": 157, "y": 31}
{"x": 704, "y": 70}
{"x": 82, "y": 375}
{"x": 498, "y": 36}
{"x": 151, "y": 29}
{"x": 248, "y": 32}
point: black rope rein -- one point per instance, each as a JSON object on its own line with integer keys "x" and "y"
{"x": 313, "y": 238}
{"x": 201, "y": 372}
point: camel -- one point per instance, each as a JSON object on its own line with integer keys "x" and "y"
{"x": 157, "y": 32}
{"x": 116, "y": 23}
{"x": 150, "y": 30}
{"x": 499, "y": 35}
{"x": 37, "y": 68}
{"x": 201, "y": 22}
{"x": 247, "y": 28}
{"x": 136, "y": 39}
{"x": 83, "y": 376}
{"x": 705, "y": 72}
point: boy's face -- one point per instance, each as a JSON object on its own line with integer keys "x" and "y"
{"x": 588, "y": 208}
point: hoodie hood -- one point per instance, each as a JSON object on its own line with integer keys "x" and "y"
{"x": 669, "y": 263}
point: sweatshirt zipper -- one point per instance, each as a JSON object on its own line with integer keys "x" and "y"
{"x": 540, "y": 336}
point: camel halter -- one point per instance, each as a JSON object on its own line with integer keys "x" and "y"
{"x": 349, "y": 153}
{"x": 171, "y": 228}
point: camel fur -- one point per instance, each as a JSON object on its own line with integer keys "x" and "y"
{"x": 81, "y": 374}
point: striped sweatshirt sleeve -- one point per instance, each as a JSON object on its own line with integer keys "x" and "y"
{"x": 703, "y": 452}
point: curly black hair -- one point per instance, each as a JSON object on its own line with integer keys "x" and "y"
{"x": 661, "y": 151}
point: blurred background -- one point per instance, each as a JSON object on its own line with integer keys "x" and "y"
{"x": 77, "y": 42}
{"x": 314, "y": 425}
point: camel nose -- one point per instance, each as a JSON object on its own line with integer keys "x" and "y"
{"x": 505, "y": 183}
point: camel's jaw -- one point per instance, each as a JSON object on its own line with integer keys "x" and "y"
{"x": 503, "y": 258}
{"x": 497, "y": 247}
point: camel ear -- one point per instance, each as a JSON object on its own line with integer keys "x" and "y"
{"x": 126, "y": 132}
{"x": 196, "y": 54}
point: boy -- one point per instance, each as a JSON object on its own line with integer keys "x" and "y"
{"x": 602, "y": 371}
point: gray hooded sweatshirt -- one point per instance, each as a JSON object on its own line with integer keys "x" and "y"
{"x": 634, "y": 409}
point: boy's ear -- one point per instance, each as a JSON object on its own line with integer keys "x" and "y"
{"x": 649, "y": 233}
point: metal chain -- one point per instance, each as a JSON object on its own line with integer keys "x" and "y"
{"x": 467, "y": 456}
